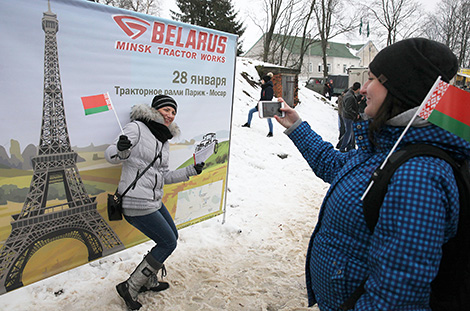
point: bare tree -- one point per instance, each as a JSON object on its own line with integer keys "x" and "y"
{"x": 282, "y": 39}
{"x": 307, "y": 38}
{"x": 450, "y": 24}
{"x": 145, "y": 6}
{"x": 291, "y": 41}
{"x": 443, "y": 26}
{"x": 285, "y": 28}
{"x": 151, "y": 7}
{"x": 289, "y": 26}
{"x": 400, "y": 18}
{"x": 464, "y": 34}
{"x": 274, "y": 10}
{"x": 331, "y": 22}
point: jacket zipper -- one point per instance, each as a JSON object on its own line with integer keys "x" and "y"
{"x": 156, "y": 174}
{"x": 138, "y": 172}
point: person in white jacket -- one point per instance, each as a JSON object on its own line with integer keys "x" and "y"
{"x": 144, "y": 139}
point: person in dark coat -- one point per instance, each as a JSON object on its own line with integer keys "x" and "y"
{"x": 341, "y": 127}
{"x": 350, "y": 115}
{"x": 420, "y": 211}
{"x": 328, "y": 89}
{"x": 267, "y": 93}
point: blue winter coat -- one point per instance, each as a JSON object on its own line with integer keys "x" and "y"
{"x": 419, "y": 214}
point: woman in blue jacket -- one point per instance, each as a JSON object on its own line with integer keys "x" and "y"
{"x": 420, "y": 210}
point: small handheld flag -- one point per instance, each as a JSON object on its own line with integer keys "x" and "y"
{"x": 99, "y": 103}
{"x": 426, "y": 99}
{"x": 445, "y": 106}
{"x": 96, "y": 103}
{"x": 449, "y": 108}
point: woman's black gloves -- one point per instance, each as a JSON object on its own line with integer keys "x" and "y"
{"x": 123, "y": 143}
{"x": 199, "y": 167}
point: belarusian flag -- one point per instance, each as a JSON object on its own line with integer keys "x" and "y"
{"x": 449, "y": 108}
{"x": 96, "y": 103}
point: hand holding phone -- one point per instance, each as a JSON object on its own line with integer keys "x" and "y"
{"x": 269, "y": 109}
{"x": 291, "y": 116}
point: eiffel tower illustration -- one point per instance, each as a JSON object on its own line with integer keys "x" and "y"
{"x": 37, "y": 224}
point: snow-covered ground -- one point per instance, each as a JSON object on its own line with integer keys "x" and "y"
{"x": 253, "y": 261}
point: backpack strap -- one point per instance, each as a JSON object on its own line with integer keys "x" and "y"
{"x": 381, "y": 177}
{"x": 374, "y": 199}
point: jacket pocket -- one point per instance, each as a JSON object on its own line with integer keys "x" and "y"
{"x": 346, "y": 278}
{"x": 339, "y": 280}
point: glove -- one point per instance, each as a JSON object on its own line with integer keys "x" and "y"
{"x": 123, "y": 143}
{"x": 198, "y": 167}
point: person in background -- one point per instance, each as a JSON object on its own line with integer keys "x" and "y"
{"x": 350, "y": 115}
{"x": 341, "y": 126}
{"x": 328, "y": 89}
{"x": 267, "y": 93}
{"x": 143, "y": 139}
{"x": 420, "y": 211}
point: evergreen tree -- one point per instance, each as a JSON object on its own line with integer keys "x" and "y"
{"x": 213, "y": 14}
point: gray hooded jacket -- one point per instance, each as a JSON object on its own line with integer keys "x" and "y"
{"x": 145, "y": 147}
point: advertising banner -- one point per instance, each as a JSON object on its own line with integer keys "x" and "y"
{"x": 71, "y": 70}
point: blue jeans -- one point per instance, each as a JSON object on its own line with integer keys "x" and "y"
{"x": 250, "y": 116}
{"x": 159, "y": 227}
{"x": 349, "y": 141}
{"x": 341, "y": 131}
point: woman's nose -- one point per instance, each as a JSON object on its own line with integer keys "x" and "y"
{"x": 363, "y": 90}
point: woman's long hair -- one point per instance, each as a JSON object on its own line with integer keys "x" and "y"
{"x": 390, "y": 108}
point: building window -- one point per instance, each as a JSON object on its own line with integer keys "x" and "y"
{"x": 329, "y": 67}
{"x": 345, "y": 68}
{"x": 320, "y": 68}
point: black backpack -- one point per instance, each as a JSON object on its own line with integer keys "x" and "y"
{"x": 450, "y": 290}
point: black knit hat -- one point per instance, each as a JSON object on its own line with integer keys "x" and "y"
{"x": 161, "y": 101}
{"x": 266, "y": 78}
{"x": 409, "y": 68}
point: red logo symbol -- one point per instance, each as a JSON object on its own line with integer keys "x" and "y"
{"x": 133, "y": 27}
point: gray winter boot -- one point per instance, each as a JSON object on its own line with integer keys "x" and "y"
{"x": 129, "y": 289}
{"x": 153, "y": 284}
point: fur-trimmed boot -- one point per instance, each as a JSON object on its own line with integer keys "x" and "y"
{"x": 129, "y": 289}
{"x": 153, "y": 284}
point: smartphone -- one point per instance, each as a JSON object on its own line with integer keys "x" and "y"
{"x": 268, "y": 109}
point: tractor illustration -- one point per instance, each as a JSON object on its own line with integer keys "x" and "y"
{"x": 208, "y": 142}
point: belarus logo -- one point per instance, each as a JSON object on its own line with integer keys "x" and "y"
{"x": 133, "y": 27}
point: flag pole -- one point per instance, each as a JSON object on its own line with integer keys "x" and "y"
{"x": 115, "y": 113}
{"x": 404, "y": 132}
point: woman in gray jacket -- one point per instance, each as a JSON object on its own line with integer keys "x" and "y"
{"x": 144, "y": 139}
